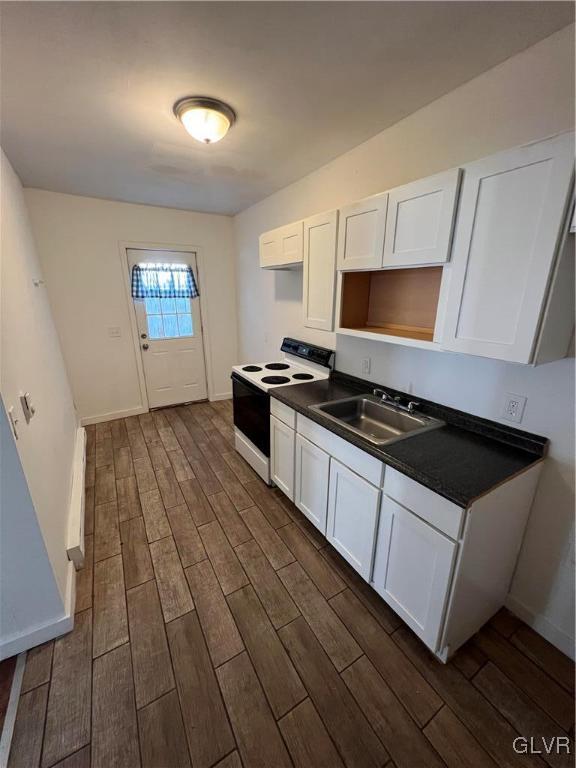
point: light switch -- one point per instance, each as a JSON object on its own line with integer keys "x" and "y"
{"x": 114, "y": 332}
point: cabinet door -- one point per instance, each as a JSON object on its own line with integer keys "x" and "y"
{"x": 291, "y": 243}
{"x": 361, "y": 231}
{"x": 282, "y": 456}
{"x": 412, "y": 569}
{"x": 352, "y": 517}
{"x": 311, "y": 483}
{"x": 320, "y": 270}
{"x": 512, "y": 208}
{"x": 420, "y": 221}
{"x": 269, "y": 243}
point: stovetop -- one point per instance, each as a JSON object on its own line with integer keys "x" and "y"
{"x": 301, "y": 362}
{"x": 279, "y": 373}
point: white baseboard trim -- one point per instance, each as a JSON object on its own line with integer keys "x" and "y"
{"x": 220, "y": 396}
{"x": 86, "y": 420}
{"x": 11, "y": 710}
{"x": 41, "y": 633}
{"x": 542, "y": 625}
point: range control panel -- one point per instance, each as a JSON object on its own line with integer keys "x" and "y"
{"x": 314, "y": 354}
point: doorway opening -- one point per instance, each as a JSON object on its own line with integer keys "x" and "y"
{"x": 166, "y": 300}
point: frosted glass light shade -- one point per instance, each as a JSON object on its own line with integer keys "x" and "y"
{"x": 207, "y": 120}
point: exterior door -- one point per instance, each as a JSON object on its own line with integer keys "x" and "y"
{"x": 171, "y": 342}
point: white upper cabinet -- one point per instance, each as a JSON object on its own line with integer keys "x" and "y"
{"x": 513, "y": 207}
{"x": 420, "y": 221}
{"x": 282, "y": 248}
{"x": 320, "y": 234}
{"x": 361, "y": 231}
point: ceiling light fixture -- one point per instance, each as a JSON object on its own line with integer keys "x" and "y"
{"x": 207, "y": 120}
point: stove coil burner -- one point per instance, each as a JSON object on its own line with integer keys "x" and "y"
{"x": 276, "y": 366}
{"x": 275, "y": 379}
{"x": 303, "y": 376}
{"x": 251, "y": 368}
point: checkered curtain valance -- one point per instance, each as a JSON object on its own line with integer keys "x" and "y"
{"x": 163, "y": 281}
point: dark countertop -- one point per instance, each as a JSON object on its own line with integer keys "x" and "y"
{"x": 461, "y": 461}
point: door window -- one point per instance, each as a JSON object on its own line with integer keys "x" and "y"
{"x": 168, "y": 318}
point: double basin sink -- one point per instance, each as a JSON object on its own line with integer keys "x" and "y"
{"x": 377, "y": 421}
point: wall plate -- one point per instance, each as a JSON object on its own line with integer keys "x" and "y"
{"x": 513, "y": 407}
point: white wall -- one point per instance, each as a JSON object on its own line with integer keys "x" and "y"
{"x": 29, "y": 597}
{"x": 528, "y": 97}
{"x": 31, "y": 361}
{"x": 79, "y": 242}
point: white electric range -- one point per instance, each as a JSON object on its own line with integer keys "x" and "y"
{"x": 251, "y": 383}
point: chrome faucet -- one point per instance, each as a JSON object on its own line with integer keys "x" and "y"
{"x": 396, "y": 401}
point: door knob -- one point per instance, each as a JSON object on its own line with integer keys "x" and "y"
{"x": 143, "y": 335}
{"x": 144, "y": 346}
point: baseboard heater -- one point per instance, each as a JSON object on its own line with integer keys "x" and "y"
{"x": 75, "y": 543}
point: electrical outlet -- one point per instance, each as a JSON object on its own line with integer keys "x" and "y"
{"x": 513, "y": 407}
{"x": 366, "y": 364}
{"x": 114, "y": 332}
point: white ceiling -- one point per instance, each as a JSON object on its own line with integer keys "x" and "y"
{"x": 88, "y": 87}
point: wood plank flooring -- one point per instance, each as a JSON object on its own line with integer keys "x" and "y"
{"x": 216, "y": 628}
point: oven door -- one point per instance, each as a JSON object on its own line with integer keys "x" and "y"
{"x": 252, "y": 413}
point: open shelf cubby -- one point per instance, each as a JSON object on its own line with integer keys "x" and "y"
{"x": 393, "y": 302}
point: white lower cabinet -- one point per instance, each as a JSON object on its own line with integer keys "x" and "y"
{"x": 282, "y": 456}
{"x": 352, "y": 517}
{"x": 412, "y": 569}
{"x": 311, "y": 482}
{"x": 425, "y": 555}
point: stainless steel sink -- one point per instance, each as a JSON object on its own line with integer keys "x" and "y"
{"x": 378, "y": 422}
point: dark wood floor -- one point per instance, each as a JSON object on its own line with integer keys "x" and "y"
{"x": 215, "y": 626}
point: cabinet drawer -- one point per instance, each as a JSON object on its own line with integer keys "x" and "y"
{"x": 283, "y": 412}
{"x": 355, "y": 458}
{"x": 436, "y": 510}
